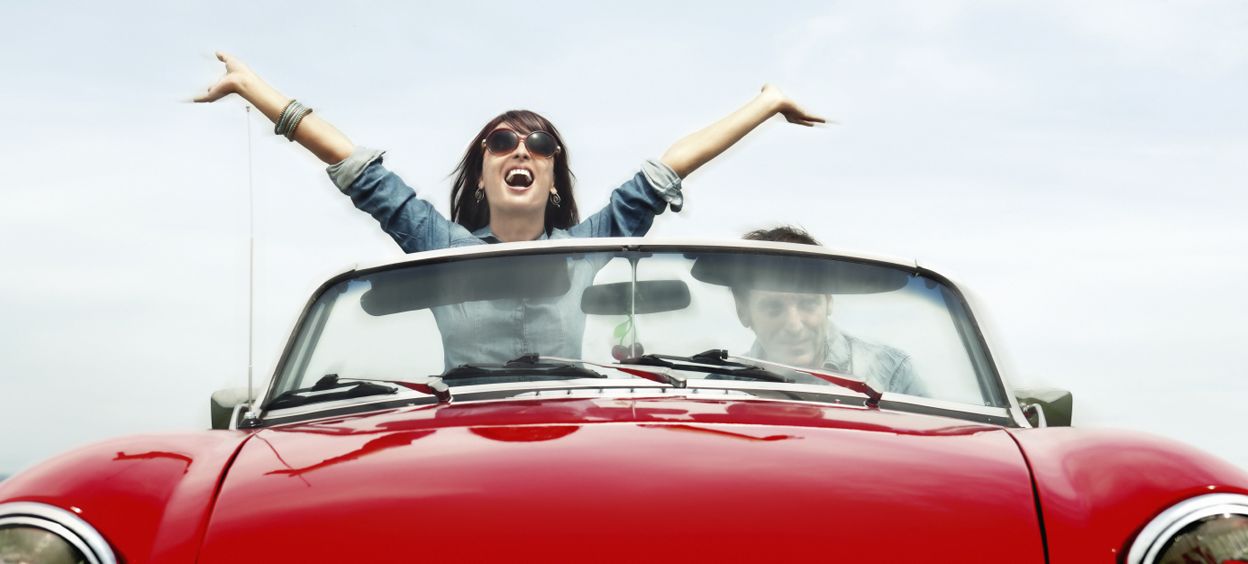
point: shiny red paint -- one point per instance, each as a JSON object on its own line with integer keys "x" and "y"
{"x": 1099, "y": 487}
{"x": 148, "y": 495}
{"x": 600, "y": 479}
{"x": 626, "y": 480}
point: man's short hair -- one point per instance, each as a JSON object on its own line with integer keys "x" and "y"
{"x": 782, "y": 234}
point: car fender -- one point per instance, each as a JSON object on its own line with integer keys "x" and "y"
{"x": 1097, "y": 488}
{"x": 148, "y": 495}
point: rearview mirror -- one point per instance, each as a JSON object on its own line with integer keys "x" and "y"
{"x": 653, "y": 296}
{"x": 1045, "y": 407}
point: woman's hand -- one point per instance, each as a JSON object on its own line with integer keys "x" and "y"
{"x": 237, "y": 78}
{"x": 314, "y": 133}
{"x": 697, "y": 149}
{"x": 786, "y": 107}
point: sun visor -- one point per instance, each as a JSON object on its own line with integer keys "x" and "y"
{"x": 796, "y": 275}
{"x": 502, "y": 278}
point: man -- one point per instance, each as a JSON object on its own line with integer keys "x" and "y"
{"x": 795, "y": 329}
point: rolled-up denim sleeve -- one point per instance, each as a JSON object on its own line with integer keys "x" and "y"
{"x": 344, "y": 173}
{"x": 413, "y": 223}
{"x": 633, "y": 205}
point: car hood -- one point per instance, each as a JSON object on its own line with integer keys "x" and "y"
{"x": 623, "y": 479}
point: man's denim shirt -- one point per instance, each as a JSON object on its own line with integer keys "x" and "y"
{"x": 499, "y": 330}
{"x": 886, "y": 368}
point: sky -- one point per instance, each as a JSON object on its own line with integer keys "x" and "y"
{"x": 1080, "y": 165}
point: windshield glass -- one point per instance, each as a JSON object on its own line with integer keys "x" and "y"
{"x": 903, "y": 333}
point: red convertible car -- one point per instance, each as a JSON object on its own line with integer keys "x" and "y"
{"x": 634, "y": 401}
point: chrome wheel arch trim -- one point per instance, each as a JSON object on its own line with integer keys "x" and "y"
{"x": 65, "y": 524}
{"x": 1148, "y": 544}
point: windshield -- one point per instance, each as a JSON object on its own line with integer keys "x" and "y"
{"x": 901, "y": 332}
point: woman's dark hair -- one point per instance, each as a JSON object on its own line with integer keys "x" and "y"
{"x": 473, "y": 215}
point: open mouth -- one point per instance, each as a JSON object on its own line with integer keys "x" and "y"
{"x": 519, "y": 177}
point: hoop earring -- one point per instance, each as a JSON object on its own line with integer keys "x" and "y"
{"x": 480, "y": 194}
{"x": 555, "y": 199}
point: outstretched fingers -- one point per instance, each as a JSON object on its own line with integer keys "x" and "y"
{"x": 785, "y": 106}
{"x": 796, "y": 115}
{"x": 228, "y": 83}
{"x": 214, "y": 93}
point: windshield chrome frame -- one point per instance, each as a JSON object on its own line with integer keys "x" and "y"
{"x": 590, "y": 245}
{"x": 641, "y": 389}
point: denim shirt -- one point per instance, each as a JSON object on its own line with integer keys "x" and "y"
{"x": 496, "y": 331}
{"x": 886, "y": 368}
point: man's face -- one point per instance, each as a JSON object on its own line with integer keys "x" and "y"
{"x": 792, "y": 328}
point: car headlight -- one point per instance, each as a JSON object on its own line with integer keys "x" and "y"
{"x": 36, "y": 533}
{"x": 1208, "y": 528}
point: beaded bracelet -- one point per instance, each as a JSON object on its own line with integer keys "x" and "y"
{"x": 277, "y": 125}
{"x": 290, "y": 135}
{"x": 288, "y": 116}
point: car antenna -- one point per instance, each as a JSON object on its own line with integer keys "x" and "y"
{"x": 251, "y": 275}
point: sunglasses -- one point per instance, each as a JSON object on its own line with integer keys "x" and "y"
{"x": 503, "y": 141}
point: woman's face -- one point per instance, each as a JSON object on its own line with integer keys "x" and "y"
{"x": 506, "y": 180}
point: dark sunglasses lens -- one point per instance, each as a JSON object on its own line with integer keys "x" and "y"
{"x": 540, "y": 143}
{"x": 501, "y": 141}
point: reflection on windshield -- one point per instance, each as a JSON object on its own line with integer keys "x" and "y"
{"x": 903, "y": 333}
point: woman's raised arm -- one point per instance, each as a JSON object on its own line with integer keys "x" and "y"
{"x": 697, "y": 149}
{"x": 314, "y": 133}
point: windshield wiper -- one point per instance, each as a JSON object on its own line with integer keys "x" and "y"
{"x": 659, "y": 367}
{"x": 840, "y": 379}
{"x": 332, "y": 388}
{"x": 714, "y": 361}
{"x": 529, "y": 366}
{"x": 660, "y": 374}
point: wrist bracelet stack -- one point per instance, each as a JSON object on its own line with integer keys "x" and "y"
{"x": 288, "y": 122}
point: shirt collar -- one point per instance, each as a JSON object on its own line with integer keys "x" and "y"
{"x": 486, "y": 235}
{"x": 836, "y": 354}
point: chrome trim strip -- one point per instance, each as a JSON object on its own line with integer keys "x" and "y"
{"x": 1163, "y": 527}
{"x": 349, "y": 402}
{"x": 692, "y": 384}
{"x": 621, "y": 242}
{"x": 611, "y": 392}
{"x": 405, "y": 393}
{"x": 663, "y": 391}
{"x": 981, "y": 316}
{"x": 64, "y": 524}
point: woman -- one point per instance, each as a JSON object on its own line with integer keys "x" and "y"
{"x": 513, "y": 184}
